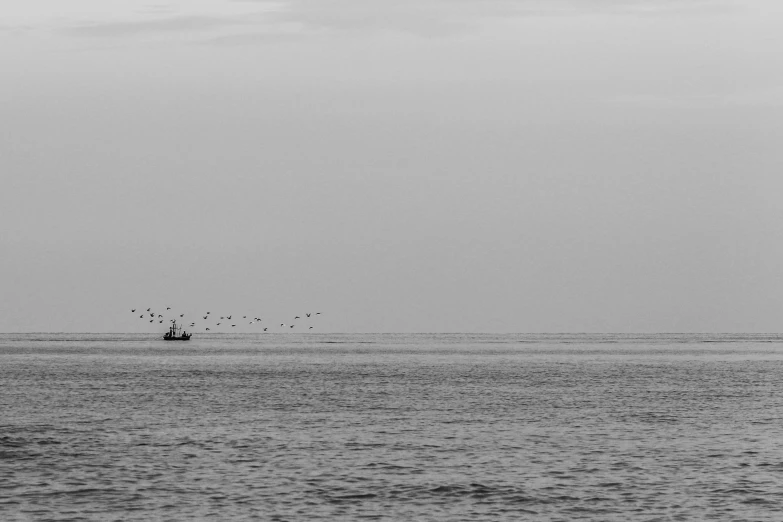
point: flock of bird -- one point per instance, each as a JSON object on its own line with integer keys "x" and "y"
{"x": 210, "y": 321}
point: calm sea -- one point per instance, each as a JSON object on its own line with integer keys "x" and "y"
{"x": 391, "y": 427}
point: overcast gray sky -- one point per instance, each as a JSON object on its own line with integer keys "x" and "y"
{"x": 404, "y": 166}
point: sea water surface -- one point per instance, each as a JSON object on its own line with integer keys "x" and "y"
{"x": 391, "y": 427}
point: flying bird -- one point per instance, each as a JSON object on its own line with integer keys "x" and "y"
{"x": 148, "y": 309}
{"x": 141, "y": 316}
{"x": 318, "y": 313}
{"x": 160, "y": 321}
{"x": 297, "y": 317}
{"x": 218, "y": 323}
{"x": 308, "y": 315}
{"x": 244, "y": 317}
{"x": 265, "y": 329}
{"x": 133, "y": 310}
{"x": 205, "y": 317}
{"x": 182, "y": 315}
{"x": 311, "y": 328}
{"x": 228, "y": 317}
{"x": 207, "y": 328}
{"x": 152, "y": 320}
{"x": 233, "y": 325}
{"x": 168, "y": 308}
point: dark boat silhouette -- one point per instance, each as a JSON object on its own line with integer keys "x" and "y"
{"x": 176, "y": 334}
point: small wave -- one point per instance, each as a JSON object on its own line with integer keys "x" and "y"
{"x": 346, "y": 342}
{"x": 11, "y": 442}
{"x": 356, "y": 496}
{"x": 385, "y": 465}
{"x": 758, "y": 500}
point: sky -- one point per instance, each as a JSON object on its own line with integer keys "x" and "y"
{"x": 398, "y": 166}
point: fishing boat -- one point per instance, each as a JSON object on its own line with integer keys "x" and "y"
{"x": 175, "y": 333}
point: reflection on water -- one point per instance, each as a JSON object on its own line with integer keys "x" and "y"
{"x": 391, "y": 427}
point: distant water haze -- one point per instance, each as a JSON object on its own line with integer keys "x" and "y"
{"x": 426, "y": 166}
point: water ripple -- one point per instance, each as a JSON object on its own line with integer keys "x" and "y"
{"x": 449, "y": 427}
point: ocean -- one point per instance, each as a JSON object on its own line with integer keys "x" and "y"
{"x": 391, "y": 427}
